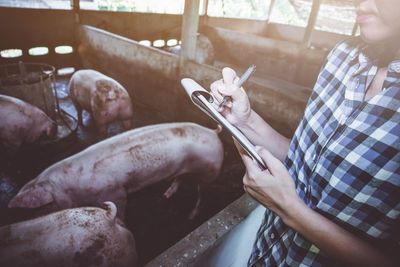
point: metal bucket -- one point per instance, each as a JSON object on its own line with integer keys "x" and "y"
{"x": 35, "y": 84}
{"x": 30, "y": 82}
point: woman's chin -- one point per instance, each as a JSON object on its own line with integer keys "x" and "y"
{"x": 377, "y": 36}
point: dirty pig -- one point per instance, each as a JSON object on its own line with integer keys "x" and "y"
{"x": 126, "y": 163}
{"x": 103, "y": 97}
{"x": 85, "y": 236}
{"x": 21, "y": 122}
{"x": 204, "y": 50}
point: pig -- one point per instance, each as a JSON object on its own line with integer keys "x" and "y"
{"x": 204, "y": 50}
{"x": 123, "y": 164}
{"x": 86, "y": 236}
{"x": 103, "y": 97}
{"x": 21, "y": 122}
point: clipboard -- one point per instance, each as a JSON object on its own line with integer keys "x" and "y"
{"x": 201, "y": 98}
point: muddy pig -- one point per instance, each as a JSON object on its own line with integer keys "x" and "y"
{"x": 204, "y": 50}
{"x": 126, "y": 163}
{"x": 21, "y": 122}
{"x": 74, "y": 237}
{"x": 103, "y": 97}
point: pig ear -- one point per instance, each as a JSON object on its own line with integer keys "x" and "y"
{"x": 32, "y": 197}
{"x": 111, "y": 210}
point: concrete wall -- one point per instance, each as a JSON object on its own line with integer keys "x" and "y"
{"x": 199, "y": 244}
{"x": 320, "y": 39}
{"x": 26, "y": 28}
{"x": 136, "y": 26}
{"x": 151, "y": 77}
{"x": 273, "y": 57}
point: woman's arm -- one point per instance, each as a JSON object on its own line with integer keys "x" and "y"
{"x": 275, "y": 189}
{"x": 262, "y": 134}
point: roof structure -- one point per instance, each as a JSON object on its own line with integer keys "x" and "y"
{"x": 334, "y": 15}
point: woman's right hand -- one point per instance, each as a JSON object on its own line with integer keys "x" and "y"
{"x": 237, "y": 110}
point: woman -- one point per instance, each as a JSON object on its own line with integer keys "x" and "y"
{"x": 336, "y": 196}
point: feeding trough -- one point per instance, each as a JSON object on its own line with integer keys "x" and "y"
{"x": 35, "y": 84}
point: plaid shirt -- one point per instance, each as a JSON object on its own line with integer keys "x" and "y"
{"x": 344, "y": 158}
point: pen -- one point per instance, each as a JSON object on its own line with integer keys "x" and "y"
{"x": 242, "y": 80}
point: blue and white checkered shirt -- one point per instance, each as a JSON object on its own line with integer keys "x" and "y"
{"x": 344, "y": 158}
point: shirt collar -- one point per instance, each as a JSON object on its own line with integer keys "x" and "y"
{"x": 368, "y": 55}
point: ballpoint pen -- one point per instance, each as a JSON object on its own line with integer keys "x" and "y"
{"x": 242, "y": 80}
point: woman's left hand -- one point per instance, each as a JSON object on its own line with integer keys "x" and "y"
{"x": 274, "y": 188}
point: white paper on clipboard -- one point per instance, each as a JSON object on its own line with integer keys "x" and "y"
{"x": 200, "y": 97}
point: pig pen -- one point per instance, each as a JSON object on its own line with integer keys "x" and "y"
{"x": 157, "y": 223}
{"x": 152, "y": 78}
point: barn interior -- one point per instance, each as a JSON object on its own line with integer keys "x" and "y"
{"x": 132, "y": 48}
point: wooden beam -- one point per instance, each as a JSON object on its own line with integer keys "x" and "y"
{"x": 75, "y": 5}
{"x": 311, "y": 22}
{"x": 190, "y": 24}
{"x": 76, "y": 8}
{"x": 205, "y": 7}
{"x": 270, "y": 9}
{"x": 355, "y": 28}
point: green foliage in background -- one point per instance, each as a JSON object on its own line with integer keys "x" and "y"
{"x": 150, "y": 6}
{"x": 251, "y": 9}
{"x": 283, "y": 11}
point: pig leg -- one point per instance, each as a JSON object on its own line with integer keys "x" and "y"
{"x": 80, "y": 121}
{"x": 78, "y": 111}
{"x": 173, "y": 188}
{"x": 127, "y": 124}
{"x": 196, "y": 209}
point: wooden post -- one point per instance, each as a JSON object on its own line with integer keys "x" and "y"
{"x": 355, "y": 28}
{"x": 76, "y": 11}
{"x": 75, "y": 7}
{"x": 205, "y": 7}
{"x": 190, "y": 24}
{"x": 298, "y": 76}
{"x": 271, "y": 7}
{"x": 311, "y": 23}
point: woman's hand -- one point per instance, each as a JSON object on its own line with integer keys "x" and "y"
{"x": 237, "y": 111}
{"x": 274, "y": 188}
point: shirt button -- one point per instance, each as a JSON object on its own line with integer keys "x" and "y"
{"x": 342, "y": 119}
{"x": 314, "y": 156}
{"x": 272, "y": 236}
{"x": 395, "y": 67}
